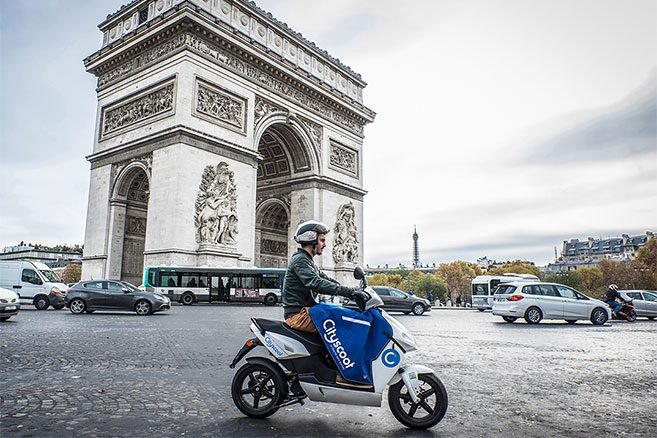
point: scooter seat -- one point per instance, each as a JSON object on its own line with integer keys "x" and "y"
{"x": 312, "y": 341}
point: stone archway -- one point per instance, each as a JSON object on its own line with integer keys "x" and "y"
{"x": 129, "y": 207}
{"x": 285, "y": 155}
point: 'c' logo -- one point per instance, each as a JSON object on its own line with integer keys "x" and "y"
{"x": 390, "y": 358}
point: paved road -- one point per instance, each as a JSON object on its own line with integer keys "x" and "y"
{"x": 111, "y": 374}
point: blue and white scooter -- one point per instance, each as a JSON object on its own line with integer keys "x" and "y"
{"x": 300, "y": 365}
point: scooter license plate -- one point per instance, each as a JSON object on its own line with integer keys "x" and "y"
{"x": 10, "y": 308}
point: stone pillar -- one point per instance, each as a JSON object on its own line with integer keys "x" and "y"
{"x": 115, "y": 239}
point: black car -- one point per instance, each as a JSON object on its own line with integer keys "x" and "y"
{"x": 395, "y": 300}
{"x": 88, "y": 296}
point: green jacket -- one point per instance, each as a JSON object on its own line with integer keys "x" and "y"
{"x": 304, "y": 282}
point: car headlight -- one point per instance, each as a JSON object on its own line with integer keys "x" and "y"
{"x": 55, "y": 291}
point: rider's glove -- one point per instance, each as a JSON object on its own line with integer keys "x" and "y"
{"x": 360, "y": 294}
{"x": 347, "y": 291}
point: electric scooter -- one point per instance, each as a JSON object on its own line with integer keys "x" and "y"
{"x": 298, "y": 366}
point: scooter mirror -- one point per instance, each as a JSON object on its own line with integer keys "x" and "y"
{"x": 358, "y": 273}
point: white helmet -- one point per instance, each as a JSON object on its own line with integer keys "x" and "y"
{"x": 613, "y": 287}
{"x": 307, "y": 232}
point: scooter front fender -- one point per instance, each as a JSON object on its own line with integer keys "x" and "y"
{"x": 419, "y": 369}
{"x": 409, "y": 373}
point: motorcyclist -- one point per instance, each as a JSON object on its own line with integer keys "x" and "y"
{"x": 614, "y": 299}
{"x": 304, "y": 282}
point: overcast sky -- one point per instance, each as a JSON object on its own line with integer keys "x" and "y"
{"x": 503, "y": 127}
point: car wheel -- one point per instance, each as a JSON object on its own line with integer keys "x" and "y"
{"x": 533, "y": 315}
{"x": 571, "y": 321}
{"x": 509, "y": 319}
{"x": 481, "y": 310}
{"x": 631, "y": 317}
{"x": 41, "y": 302}
{"x": 143, "y": 307}
{"x": 418, "y": 309}
{"x": 77, "y": 306}
{"x": 187, "y": 298}
{"x": 599, "y": 316}
{"x": 270, "y": 300}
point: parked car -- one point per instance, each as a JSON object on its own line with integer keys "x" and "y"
{"x": 34, "y": 282}
{"x": 645, "y": 302}
{"x": 92, "y": 295}
{"x": 535, "y": 301}
{"x": 395, "y": 300}
{"x": 9, "y": 305}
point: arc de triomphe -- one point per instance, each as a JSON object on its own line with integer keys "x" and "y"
{"x": 219, "y": 130}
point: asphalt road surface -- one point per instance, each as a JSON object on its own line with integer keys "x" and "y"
{"x": 119, "y": 374}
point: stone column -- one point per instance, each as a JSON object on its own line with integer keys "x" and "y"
{"x": 115, "y": 238}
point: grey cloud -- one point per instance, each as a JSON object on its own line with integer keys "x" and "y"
{"x": 627, "y": 129}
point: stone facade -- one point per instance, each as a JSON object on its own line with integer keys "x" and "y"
{"x": 219, "y": 130}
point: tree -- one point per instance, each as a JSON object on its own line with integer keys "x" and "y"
{"x": 516, "y": 267}
{"x": 569, "y": 278}
{"x": 72, "y": 273}
{"x": 618, "y": 273}
{"x": 591, "y": 281}
{"x": 458, "y": 276}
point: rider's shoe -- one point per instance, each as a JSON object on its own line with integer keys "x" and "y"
{"x": 344, "y": 382}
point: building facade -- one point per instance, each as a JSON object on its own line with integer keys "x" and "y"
{"x": 219, "y": 129}
{"x": 577, "y": 253}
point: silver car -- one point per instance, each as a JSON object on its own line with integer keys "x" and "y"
{"x": 645, "y": 302}
{"x": 535, "y": 301}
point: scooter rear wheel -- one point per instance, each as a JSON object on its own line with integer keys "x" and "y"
{"x": 631, "y": 316}
{"x": 425, "y": 414}
{"x": 257, "y": 390}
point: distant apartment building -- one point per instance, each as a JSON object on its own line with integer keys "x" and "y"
{"x": 577, "y": 253}
{"x": 54, "y": 259}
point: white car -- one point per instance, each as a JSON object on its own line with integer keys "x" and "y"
{"x": 645, "y": 302}
{"x": 9, "y": 305}
{"x": 535, "y": 301}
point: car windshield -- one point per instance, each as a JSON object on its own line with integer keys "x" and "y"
{"x": 51, "y": 276}
{"x": 505, "y": 289}
{"x": 129, "y": 285}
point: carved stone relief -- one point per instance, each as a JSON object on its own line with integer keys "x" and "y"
{"x": 220, "y": 106}
{"x": 146, "y": 159}
{"x": 345, "y": 240}
{"x": 263, "y": 108}
{"x": 136, "y": 225}
{"x": 343, "y": 159}
{"x": 215, "y": 215}
{"x": 274, "y": 247}
{"x": 239, "y": 66}
{"x": 315, "y": 132}
{"x": 147, "y": 106}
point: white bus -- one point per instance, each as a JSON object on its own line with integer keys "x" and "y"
{"x": 190, "y": 285}
{"x": 483, "y": 287}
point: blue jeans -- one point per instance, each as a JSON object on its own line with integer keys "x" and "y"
{"x": 615, "y": 305}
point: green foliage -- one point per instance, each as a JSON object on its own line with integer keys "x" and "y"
{"x": 420, "y": 283}
{"x": 569, "y": 278}
{"x": 592, "y": 281}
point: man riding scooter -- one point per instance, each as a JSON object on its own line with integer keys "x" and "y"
{"x": 614, "y": 299}
{"x": 304, "y": 282}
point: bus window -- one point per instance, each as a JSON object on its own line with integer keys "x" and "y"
{"x": 479, "y": 289}
{"x": 270, "y": 282}
{"x": 244, "y": 281}
{"x": 169, "y": 280}
{"x": 189, "y": 280}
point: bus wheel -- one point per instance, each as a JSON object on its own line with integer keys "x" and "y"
{"x": 187, "y": 298}
{"x": 270, "y": 299}
{"x": 41, "y": 302}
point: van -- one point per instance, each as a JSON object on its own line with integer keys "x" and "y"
{"x": 34, "y": 283}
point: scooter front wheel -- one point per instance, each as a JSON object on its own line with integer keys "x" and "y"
{"x": 257, "y": 390}
{"x": 428, "y": 411}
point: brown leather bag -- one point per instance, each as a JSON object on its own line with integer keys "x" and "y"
{"x": 302, "y": 321}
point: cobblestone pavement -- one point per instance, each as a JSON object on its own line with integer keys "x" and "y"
{"x": 114, "y": 374}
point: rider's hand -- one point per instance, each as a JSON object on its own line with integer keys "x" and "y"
{"x": 360, "y": 294}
